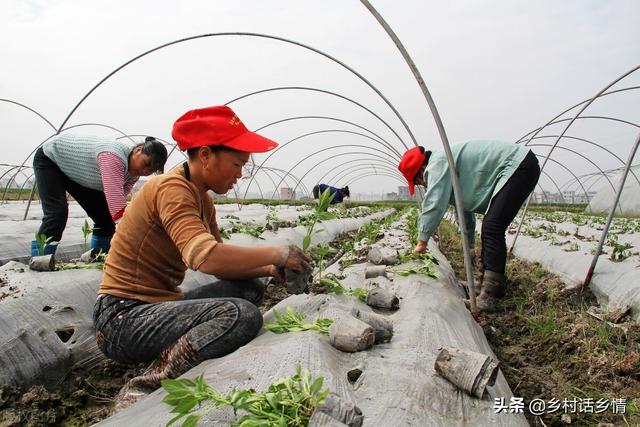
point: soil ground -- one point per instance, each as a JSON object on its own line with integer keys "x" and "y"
{"x": 550, "y": 348}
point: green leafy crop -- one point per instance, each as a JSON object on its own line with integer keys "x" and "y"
{"x": 291, "y": 321}
{"x": 288, "y": 402}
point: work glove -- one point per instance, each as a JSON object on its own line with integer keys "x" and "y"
{"x": 295, "y": 260}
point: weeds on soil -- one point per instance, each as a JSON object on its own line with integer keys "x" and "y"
{"x": 550, "y": 348}
{"x": 287, "y": 402}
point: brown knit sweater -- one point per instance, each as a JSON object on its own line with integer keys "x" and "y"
{"x": 166, "y": 229}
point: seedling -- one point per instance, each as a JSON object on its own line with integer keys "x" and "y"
{"x": 42, "y": 241}
{"x": 325, "y": 199}
{"x": 573, "y": 247}
{"x": 620, "y": 251}
{"x": 292, "y": 321}
{"x": 333, "y": 286}
{"x": 321, "y": 251}
{"x": 428, "y": 268}
{"x": 86, "y": 230}
{"x": 288, "y": 402}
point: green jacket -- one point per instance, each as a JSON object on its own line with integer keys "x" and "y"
{"x": 483, "y": 168}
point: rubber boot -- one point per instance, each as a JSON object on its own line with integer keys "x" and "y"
{"x": 174, "y": 361}
{"x": 49, "y": 249}
{"x": 493, "y": 288}
{"x": 100, "y": 243}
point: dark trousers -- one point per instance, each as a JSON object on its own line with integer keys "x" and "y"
{"x": 53, "y": 185}
{"x": 222, "y": 319}
{"x": 504, "y": 208}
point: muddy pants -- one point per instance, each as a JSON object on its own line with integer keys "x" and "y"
{"x": 53, "y": 186}
{"x": 504, "y": 208}
{"x": 222, "y": 318}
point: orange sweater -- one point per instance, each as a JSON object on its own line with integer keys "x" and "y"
{"x": 166, "y": 229}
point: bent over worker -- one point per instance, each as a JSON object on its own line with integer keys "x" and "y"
{"x": 140, "y": 314}
{"x": 338, "y": 193}
{"x": 99, "y": 173}
{"x": 495, "y": 179}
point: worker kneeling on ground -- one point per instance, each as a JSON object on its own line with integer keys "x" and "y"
{"x": 140, "y": 314}
{"x": 495, "y": 178}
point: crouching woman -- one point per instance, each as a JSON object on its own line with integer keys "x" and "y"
{"x": 140, "y": 314}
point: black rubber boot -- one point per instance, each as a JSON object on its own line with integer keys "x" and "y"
{"x": 493, "y": 288}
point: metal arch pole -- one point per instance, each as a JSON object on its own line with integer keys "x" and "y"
{"x": 283, "y": 174}
{"x": 330, "y": 157}
{"x": 584, "y": 107}
{"x": 330, "y": 148}
{"x": 348, "y": 174}
{"x": 556, "y": 185}
{"x": 536, "y": 131}
{"x": 623, "y": 179}
{"x": 367, "y": 161}
{"x": 447, "y": 149}
{"x": 30, "y": 109}
{"x": 588, "y": 142}
{"x": 6, "y": 188}
{"x": 362, "y": 78}
{"x": 328, "y": 92}
{"x": 580, "y": 155}
{"x": 344, "y": 174}
{"x": 570, "y": 172}
{"x": 333, "y": 119}
{"x": 613, "y": 119}
{"x": 316, "y": 133}
{"x": 357, "y": 178}
{"x": 27, "y": 180}
{"x": 379, "y": 160}
{"x": 11, "y": 179}
{"x": 23, "y": 184}
{"x": 295, "y": 179}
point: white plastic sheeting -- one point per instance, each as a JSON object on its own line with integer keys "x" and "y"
{"x": 615, "y": 284}
{"x": 398, "y": 385}
{"x": 18, "y": 234}
{"x": 629, "y": 199}
{"x": 46, "y": 326}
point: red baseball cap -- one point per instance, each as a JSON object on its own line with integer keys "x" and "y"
{"x": 410, "y": 164}
{"x": 217, "y": 126}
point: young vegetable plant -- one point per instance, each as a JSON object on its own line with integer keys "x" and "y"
{"x": 42, "y": 241}
{"x": 428, "y": 268}
{"x": 291, "y": 321}
{"x": 86, "y": 230}
{"x": 321, "y": 251}
{"x": 287, "y": 402}
{"x": 333, "y": 286}
{"x": 325, "y": 199}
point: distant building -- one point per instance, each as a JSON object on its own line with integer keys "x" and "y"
{"x": 287, "y": 193}
{"x": 391, "y": 196}
{"x": 403, "y": 192}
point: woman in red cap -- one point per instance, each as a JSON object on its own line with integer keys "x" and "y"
{"x": 495, "y": 178}
{"x": 140, "y": 314}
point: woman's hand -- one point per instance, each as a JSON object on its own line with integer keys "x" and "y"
{"x": 421, "y": 247}
{"x": 294, "y": 259}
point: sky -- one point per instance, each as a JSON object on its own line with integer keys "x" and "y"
{"x": 495, "y": 69}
